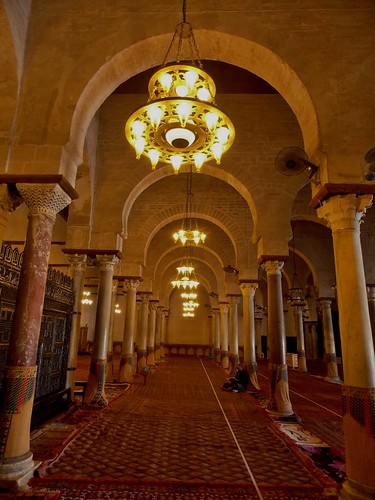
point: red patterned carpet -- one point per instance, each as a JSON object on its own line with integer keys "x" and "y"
{"x": 181, "y": 437}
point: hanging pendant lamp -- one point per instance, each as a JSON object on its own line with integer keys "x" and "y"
{"x": 181, "y": 123}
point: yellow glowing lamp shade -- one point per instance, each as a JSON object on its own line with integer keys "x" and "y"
{"x": 138, "y": 128}
{"x": 203, "y": 94}
{"x": 180, "y": 120}
{"x": 183, "y": 110}
{"x": 182, "y": 90}
{"x": 176, "y": 161}
{"x": 166, "y": 80}
{"x": 211, "y": 120}
{"x": 222, "y": 134}
{"x": 199, "y": 159}
{"x": 139, "y": 146}
{"x": 155, "y": 113}
{"x": 154, "y": 157}
{"x": 217, "y": 150}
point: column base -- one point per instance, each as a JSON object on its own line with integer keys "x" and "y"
{"x": 15, "y": 473}
{"x": 352, "y": 490}
{"x": 333, "y": 380}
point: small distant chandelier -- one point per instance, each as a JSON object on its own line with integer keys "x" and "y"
{"x": 189, "y": 296}
{"x": 117, "y": 309}
{"x": 190, "y": 304}
{"x": 185, "y": 276}
{"x": 295, "y": 296}
{"x": 86, "y": 299}
{"x": 189, "y": 231}
{"x": 188, "y": 315}
{"x": 181, "y": 123}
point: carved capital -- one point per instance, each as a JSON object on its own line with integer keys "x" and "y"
{"x": 224, "y": 307}
{"x": 325, "y": 302}
{"x": 248, "y": 289}
{"x": 48, "y": 199}
{"x": 153, "y": 304}
{"x": 145, "y": 297}
{"x": 344, "y": 211}
{"x": 131, "y": 283}
{"x": 77, "y": 262}
{"x": 273, "y": 266}
{"x": 106, "y": 262}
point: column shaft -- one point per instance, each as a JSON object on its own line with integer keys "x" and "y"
{"x": 78, "y": 265}
{"x": 279, "y": 398}
{"x": 298, "y": 325}
{"x": 250, "y": 362}
{"x": 16, "y": 463}
{"x": 343, "y": 214}
{"x": 126, "y": 362}
{"x": 151, "y": 334}
{"x": 95, "y": 389}
{"x": 224, "y": 358}
{"x": 329, "y": 342}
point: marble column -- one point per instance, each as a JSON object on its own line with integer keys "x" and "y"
{"x": 210, "y": 337}
{"x": 110, "y": 368}
{"x": 126, "y": 362}
{"x": 371, "y": 308}
{"x": 95, "y": 389}
{"x": 250, "y": 362}
{"x": 10, "y": 199}
{"x": 164, "y": 331}
{"x": 258, "y": 332}
{"x": 343, "y": 214}
{"x": 300, "y": 334}
{"x": 233, "y": 333}
{"x": 78, "y": 265}
{"x": 224, "y": 358}
{"x": 159, "y": 311}
{"x": 138, "y": 331}
{"x": 153, "y": 304}
{"x": 217, "y": 329}
{"x": 16, "y": 460}
{"x": 279, "y": 403}
{"x": 163, "y": 338}
{"x": 329, "y": 341}
{"x": 142, "y": 347}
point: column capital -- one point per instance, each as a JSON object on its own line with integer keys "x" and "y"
{"x": 153, "y": 303}
{"x": 344, "y": 211}
{"x": 248, "y": 288}
{"x": 106, "y": 262}
{"x": 224, "y": 306}
{"x": 131, "y": 283}
{"x": 77, "y": 261}
{"x": 48, "y": 199}
{"x": 233, "y": 299}
{"x": 370, "y": 291}
{"x": 144, "y": 296}
{"x": 272, "y": 266}
{"x": 325, "y": 301}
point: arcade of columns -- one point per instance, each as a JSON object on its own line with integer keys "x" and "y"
{"x": 343, "y": 213}
{"x": 66, "y": 120}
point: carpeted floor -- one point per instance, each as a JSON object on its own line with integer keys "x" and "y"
{"x": 181, "y": 437}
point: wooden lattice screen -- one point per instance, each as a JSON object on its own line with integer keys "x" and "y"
{"x": 56, "y": 322}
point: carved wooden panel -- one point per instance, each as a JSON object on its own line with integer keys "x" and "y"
{"x": 55, "y": 327}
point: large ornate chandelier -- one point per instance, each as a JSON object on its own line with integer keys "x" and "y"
{"x": 181, "y": 123}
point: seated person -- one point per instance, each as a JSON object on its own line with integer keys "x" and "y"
{"x": 239, "y": 382}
